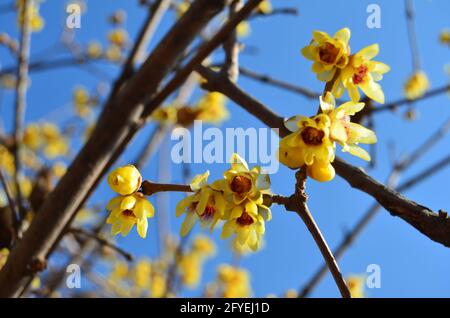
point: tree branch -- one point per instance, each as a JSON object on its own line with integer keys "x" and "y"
{"x": 112, "y": 128}
{"x": 431, "y": 224}
{"x": 297, "y": 203}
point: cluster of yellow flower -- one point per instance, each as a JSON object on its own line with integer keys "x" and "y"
{"x": 236, "y": 199}
{"x": 145, "y": 278}
{"x": 333, "y": 62}
{"x": 231, "y": 282}
{"x": 32, "y": 12}
{"x": 118, "y": 40}
{"x": 149, "y": 278}
{"x": 46, "y": 137}
{"x": 312, "y": 142}
{"x": 130, "y": 207}
{"x": 191, "y": 262}
{"x": 83, "y": 101}
{"x": 211, "y": 108}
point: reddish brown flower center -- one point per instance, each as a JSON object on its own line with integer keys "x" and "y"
{"x": 312, "y": 136}
{"x": 328, "y": 53}
{"x": 128, "y": 213}
{"x": 241, "y": 184}
{"x": 209, "y": 211}
{"x": 351, "y": 284}
{"x": 244, "y": 219}
{"x": 360, "y": 74}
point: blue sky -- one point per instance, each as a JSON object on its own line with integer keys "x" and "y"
{"x": 411, "y": 264}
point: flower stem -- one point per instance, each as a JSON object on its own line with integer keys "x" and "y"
{"x": 149, "y": 188}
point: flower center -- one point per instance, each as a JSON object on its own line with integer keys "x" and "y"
{"x": 128, "y": 213}
{"x": 328, "y": 53}
{"x": 244, "y": 219}
{"x": 312, "y": 136}
{"x": 241, "y": 184}
{"x": 208, "y": 213}
{"x": 360, "y": 74}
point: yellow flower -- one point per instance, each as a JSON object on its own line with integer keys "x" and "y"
{"x": 248, "y": 227}
{"x": 190, "y": 268}
{"x": 342, "y": 130}
{"x": 81, "y": 101}
{"x": 125, "y": 180}
{"x": 6, "y": 160}
{"x": 181, "y": 8}
{"x": 233, "y": 282}
{"x": 114, "y": 53}
{"x": 119, "y": 272}
{"x": 264, "y": 7}
{"x": 94, "y": 50}
{"x": 309, "y": 145}
{"x": 243, "y": 29}
{"x": 355, "y": 285}
{"x": 206, "y": 205}
{"x": 126, "y": 211}
{"x": 362, "y": 73}
{"x": 157, "y": 286}
{"x": 142, "y": 273}
{"x": 118, "y": 17}
{"x": 36, "y": 283}
{"x": 84, "y": 216}
{"x": 328, "y": 53}
{"x": 26, "y": 186}
{"x": 59, "y": 169}
{"x": 4, "y": 253}
{"x": 54, "y": 143}
{"x": 241, "y": 183}
{"x": 246, "y": 213}
{"x": 291, "y": 293}
{"x": 35, "y": 20}
{"x": 204, "y": 246}
{"x": 118, "y": 37}
{"x": 416, "y": 85}
{"x": 80, "y": 95}
{"x": 8, "y": 81}
{"x": 212, "y": 108}
{"x": 444, "y": 37}
{"x": 165, "y": 115}
{"x": 32, "y": 137}
{"x": 191, "y": 263}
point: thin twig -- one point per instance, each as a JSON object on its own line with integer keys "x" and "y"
{"x": 412, "y": 36}
{"x": 279, "y": 83}
{"x": 404, "y": 102}
{"x": 231, "y": 48}
{"x": 297, "y": 203}
{"x": 392, "y": 182}
{"x": 21, "y": 95}
{"x": 275, "y": 12}
{"x": 102, "y": 242}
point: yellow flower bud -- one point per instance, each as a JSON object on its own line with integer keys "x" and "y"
{"x": 125, "y": 180}
{"x": 321, "y": 171}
